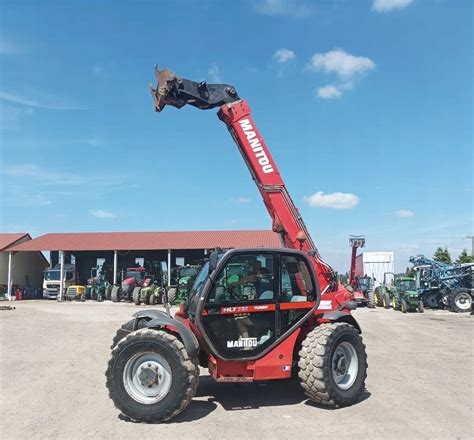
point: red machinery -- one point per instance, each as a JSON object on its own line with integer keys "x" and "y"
{"x": 363, "y": 286}
{"x": 300, "y": 318}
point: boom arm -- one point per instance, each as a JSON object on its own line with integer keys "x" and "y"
{"x": 235, "y": 113}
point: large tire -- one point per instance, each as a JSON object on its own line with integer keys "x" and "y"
{"x": 318, "y": 353}
{"x": 370, "y": 299}
{"x": 115, "y": 295}
{"x": 403, "y": 306}
{"x": 460, "y": 301}
{"x": 395, "y": 304}
{"x": 171, "y": 296}
{"x": 430, "y": 301}
{"x": 136, "y": 296}
{"x": 108, "y": 293}
{"x": 378, "y": 297}
{"x": 386, "y": 300}
{"x": 152, "y": 299}
{"x": 164, "y": 363}
{"x": 421, "y": 306}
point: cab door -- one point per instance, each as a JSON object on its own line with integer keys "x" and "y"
{"x": 297, "y": 291}
{"x": 239, "y": 313}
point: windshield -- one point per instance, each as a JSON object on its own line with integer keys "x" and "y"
{"x": 199, "y": 281}
{"x": 364, "y": 282}
{"x": 138, "y": 275}
{"x": 188, "y": 272}
{"x": 407, "y": 285}
{"x": 52, "y": 275}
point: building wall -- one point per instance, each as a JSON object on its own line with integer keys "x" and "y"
{"x": 27, "y": 266}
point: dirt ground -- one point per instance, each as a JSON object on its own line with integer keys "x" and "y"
{"x": 53, "y": 358}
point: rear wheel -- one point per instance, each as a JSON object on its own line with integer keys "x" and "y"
{"x": 333, "y": 364}
{"x": 115, "y": 294}
{"x": 171, "y": 296}
{"x": 152, "y": 299}
{"x": 430, "y": 301}
{"x": 150, "y": 376}
{"x": 460, "y": 301}
{"x": 136, "y": 295}
{"x": 378, "y": 297}
{"x": 394, "y": 303}
{"x": 403, "y": 306}
{"x": 421, "y": 306}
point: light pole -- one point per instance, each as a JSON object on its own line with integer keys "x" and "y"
{"x": 472, "y": 244}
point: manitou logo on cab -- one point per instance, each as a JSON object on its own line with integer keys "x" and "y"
{"x": 256, "y": 146}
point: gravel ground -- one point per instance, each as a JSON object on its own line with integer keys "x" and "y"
{"x": 53, "y": 358}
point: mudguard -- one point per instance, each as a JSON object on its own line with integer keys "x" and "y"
{"x": 338, "y": 316}
{"x": 159, "y": 319}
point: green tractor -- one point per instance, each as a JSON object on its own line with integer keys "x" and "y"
{"x": 98, "y": 288}
{"x": 401, "y": 295}
{"x": 185, "y": 276}
{"x": 152, "y": 290}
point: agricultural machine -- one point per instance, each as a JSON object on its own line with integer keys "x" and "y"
{"x": 98, "y": 288}
{"x": 75, "y": 292}
{"x": 285, "y": 313}
{"x": 178, "y": 294}
{"x": 444, "y": 285}
{"x": 363, "y": 286}
{"x": 400, "y": 293}
{"x": 132, "y": 278}
{"x": 150, "y": 293}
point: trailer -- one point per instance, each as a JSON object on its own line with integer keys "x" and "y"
{"x": 374, "y": 265}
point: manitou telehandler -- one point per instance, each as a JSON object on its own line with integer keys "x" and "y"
{"x": 285, "y": 313}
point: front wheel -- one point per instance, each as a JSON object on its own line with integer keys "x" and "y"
{"x": 403, "y": 306}
{"x": 115, "y": 294}
{"x": 136, "y": 296}
{"x": 370, "y": 299}
{"x": 386, "y": 300}
{"x": 333, "y": 365}
{"x": 460, "y": 301}
{"x": 150, "y": 376}
{"x": 421, "y": 306}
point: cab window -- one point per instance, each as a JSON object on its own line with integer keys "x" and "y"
{"x": 296, "y": 283}
{"x": 244, "y": 279}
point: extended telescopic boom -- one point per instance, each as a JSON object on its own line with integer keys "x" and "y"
{"x": 235, "y": 113}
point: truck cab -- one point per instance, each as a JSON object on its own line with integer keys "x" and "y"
{"x": 52, "y": 277}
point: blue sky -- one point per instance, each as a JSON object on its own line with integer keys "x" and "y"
{"x": 366, "y": 107}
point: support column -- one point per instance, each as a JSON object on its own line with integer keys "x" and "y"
{"x": 10, "y": 276}
{"x": 61, "y": 276}
{"x": 169, "y": 267}
{"x": 115, "y": 266}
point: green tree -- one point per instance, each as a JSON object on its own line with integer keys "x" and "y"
{"x": 442, "y": 255}
{"x": 410, "y": 272}
{"x": 464, "y": 257}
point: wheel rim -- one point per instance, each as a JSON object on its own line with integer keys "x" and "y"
{"x": 463, "y": 301}
{"x": 345, "y": 365}
{"x": 147, "y": 377}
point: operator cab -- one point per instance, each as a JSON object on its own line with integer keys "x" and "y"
{"x": 244, "y": 301}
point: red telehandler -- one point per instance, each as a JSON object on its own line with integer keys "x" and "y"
{"x": 252, "y": 314}
{"x": 362, "y": 285}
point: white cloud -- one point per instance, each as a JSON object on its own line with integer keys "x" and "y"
{"x": 389, "y": 5}
{"x": 284, "y": 55}
{"x": 290, "y": 8}
{"x": 337, "y": 200}
{"x": 100, "y": 213}
{"x": 404, "y": 213}
{"x": 341, "y": 63}
{"x": 215, "y": 73}
{"x": 329, "y": 92}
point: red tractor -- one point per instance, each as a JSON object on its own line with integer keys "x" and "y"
{"x": 362, "y": 286}
{"x": 133, "y": 277}
{"x": 285, "y": 313}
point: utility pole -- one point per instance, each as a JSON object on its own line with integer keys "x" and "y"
{"x": 472, "y": 244}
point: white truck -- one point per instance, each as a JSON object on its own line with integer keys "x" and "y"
{"x": 52, "y": 277}
{"x": 375, "y": 265}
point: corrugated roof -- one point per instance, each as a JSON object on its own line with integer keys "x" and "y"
{"x": 94, "y": 241}
{"x": 9, "y": 239}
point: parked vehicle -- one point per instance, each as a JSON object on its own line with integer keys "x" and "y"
{"x": 362, "y": 285}
{"x": 251, "y": 329}
{"x": 98, "y": 288}
{"x": 75, "y": 292}
{"x": 442, "y": 285}
{"x": 185, "y": 275}
{"x": 52, "y": 277}
{"x": 133, "y": 277}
